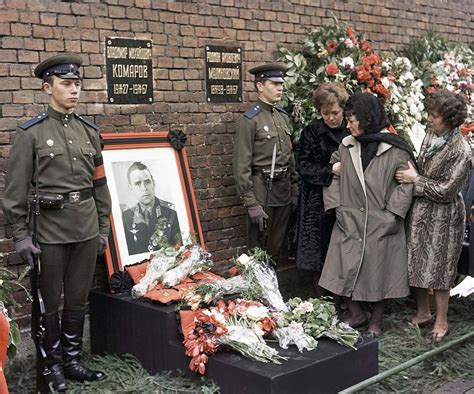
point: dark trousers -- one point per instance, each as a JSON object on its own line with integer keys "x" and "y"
{"x": 277, "y": 226}
{"x": 70, "y": 267}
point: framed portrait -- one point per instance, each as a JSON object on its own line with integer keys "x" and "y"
{"x": 152, "y": 196}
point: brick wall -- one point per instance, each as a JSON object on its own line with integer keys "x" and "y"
{"x": 31, "y": 31}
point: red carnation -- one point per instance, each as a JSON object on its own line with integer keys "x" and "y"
{"x": 331, "y": 46}
{"x": 363, "y": 76}
{"x": 381, "y": 90}
{"x": 365, "y": 46}
{"x": 331, "y": 70}
{"x": 350, "y": 34}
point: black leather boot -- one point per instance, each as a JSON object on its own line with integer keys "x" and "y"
{"x": 72, "y": 325}
{"x": 53, "y": 374}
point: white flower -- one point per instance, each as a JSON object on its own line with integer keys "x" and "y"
{"x": 218, "y": 316}
{"x": 256, "y": 313}
{"x": 1, "y": 282}
{"x": 297, "y": 326}
{"x": 385, "y": 82}
{"x": 258, "y": 330}
{"x": 348, "y": 43}
{"x": 306, "y": 306}
{"x": 244, "y": 259}
{"x": 347, "y": 62}
{"x": 395, "y": 108}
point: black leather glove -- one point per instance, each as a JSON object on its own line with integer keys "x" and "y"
{"x": 257, "y": 216}
{"x": 102, "y": 244}
{"x": 26, "y": 250}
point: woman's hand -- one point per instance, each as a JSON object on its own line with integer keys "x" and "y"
{"x": 336, "y": 168}
{"x": 406, "y": 176}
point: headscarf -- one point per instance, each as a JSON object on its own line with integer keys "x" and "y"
{"x": 372, "y": 120}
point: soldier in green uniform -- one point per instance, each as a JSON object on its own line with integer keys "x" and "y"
{"x": 59, "y": 154}
{"x": 151, "y": 219}
{"x": 261, "y": 131}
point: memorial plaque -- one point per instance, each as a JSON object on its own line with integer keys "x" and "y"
{"x": 223, "y": 74}
{"x": 129, "y": 70}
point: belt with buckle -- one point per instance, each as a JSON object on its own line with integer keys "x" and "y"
{"x": 80, "y": 195}
{"x": 279, "y": 173}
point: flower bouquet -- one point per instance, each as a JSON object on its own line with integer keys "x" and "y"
{"x": 452, "y": 74}
{"x": 257, "y": 281}
{"x": 262, "y": 279}
{"x": 318, "y": 318}
{"x": 337, "y": 54}
{"x": 9, "y": 283}
{"x": 171, "y": 266}
{"x": 240, "y": 325}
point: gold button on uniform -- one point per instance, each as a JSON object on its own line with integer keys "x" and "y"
{"x": 362, "y": 209}
{"x": 51, "y": 155}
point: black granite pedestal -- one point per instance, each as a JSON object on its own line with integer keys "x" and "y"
{"x": 149, "y": 331}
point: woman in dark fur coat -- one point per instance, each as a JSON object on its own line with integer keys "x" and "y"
{"x": 318, "y": 141}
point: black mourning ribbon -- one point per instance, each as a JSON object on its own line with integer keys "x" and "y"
{"x": 177, "y": 138}
{"x": 121, "y": 282}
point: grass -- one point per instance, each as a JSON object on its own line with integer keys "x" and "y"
{"x": 396, "y": 346}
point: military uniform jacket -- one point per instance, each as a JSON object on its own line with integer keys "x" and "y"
{"x": 138, "y": 233}
{"x": 69, "y": 159}
{"x": 258, "y": 130}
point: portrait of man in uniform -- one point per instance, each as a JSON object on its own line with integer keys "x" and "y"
{"x": 151, "y": 222}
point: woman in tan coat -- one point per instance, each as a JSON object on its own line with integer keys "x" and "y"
{"x": 367, "y": 256}
{"x": 436, "y": 222}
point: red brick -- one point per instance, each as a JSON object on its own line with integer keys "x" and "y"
{"x": 54, "y": 46}
{"x": 28, "y": 57}
{"x": 134, "y": 13}
{"x": 143, "y": 3}
{"x": 5, "y": 97}
{"x": 121, "y": 24}
{"x": 8, "y": 123}
{"x": 103, "y": 23}
{"x": 42, "y": 32}
{"x": 116, "y": 12}
{"x": 150, "y": 14}
{"x": 12, "y": 42}
{"x": 5, "y": 137}
{"x": 20, "y": 70}
{"x": 99, "y": 10}
{"x": 89, "y": 34}
{"x": 9, "y": 15}
{"x": 23, "y": 97}
{"x": 80, "y": 9}
{"x": 72, "y": 46}
{"x": 30, "y": 83}
{"x": 85, "y": 22}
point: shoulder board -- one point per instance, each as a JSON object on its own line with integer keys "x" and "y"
{"x": 87, "y": 122}
{"x": 281, "y": 110}
{"x": 33, "y": 121}
{"x": 252, "y": 111}
{"x": 167, "y": 204}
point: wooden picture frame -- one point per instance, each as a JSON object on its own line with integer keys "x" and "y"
{"x": 164, "y": 169}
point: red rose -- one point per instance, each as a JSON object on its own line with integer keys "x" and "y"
{"x": 331, "y": 70}
{"x": 331, "y": 46}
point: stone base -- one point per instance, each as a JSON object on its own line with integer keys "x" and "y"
{"x": 149, "y": 331}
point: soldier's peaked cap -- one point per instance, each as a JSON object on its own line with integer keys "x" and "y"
{"x": 273, "y": 71}
{"x": 64, "y": 65}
